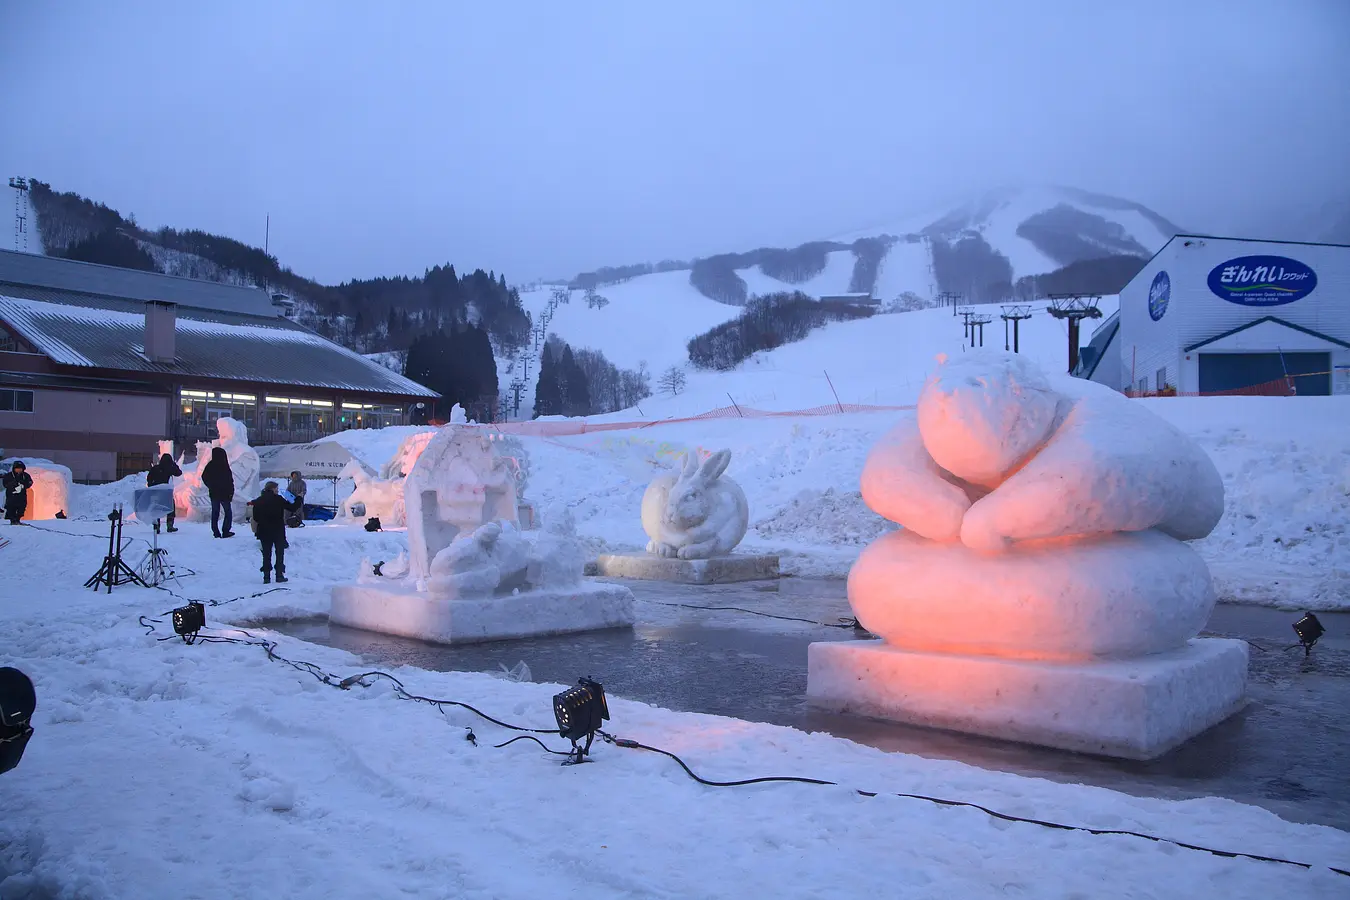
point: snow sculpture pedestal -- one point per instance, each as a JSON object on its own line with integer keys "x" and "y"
{"x": 1131, "y": 708}
{"x": 1040, "y": 589}
{"x": 713, "y": 570}
{"x": 472, "y": 574}
{"x": 407, "y": 612}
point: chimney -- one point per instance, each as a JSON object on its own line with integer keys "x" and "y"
{"x": 160, "y": 316}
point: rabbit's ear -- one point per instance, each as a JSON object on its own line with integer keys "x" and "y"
{"x": 690, "y": 466}
{"x": 715, "y": 465}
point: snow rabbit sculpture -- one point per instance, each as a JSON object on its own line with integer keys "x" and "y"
{"x": 697, "y": 513}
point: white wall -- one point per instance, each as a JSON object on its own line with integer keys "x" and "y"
{"x": 1195, "y": 313}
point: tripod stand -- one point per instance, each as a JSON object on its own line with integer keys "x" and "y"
{"x": 114, "y": 570}
{"x": 156, "y": 569}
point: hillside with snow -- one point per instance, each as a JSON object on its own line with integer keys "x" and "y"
{"x": 877, "y": 361}
{"x": 992, "y": 247}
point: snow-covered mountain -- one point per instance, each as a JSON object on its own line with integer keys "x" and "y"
{"x": 998, "y": 245}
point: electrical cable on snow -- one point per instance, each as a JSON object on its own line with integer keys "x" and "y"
{"x": 843, "y": 623}
{"x": 269, "y": 647}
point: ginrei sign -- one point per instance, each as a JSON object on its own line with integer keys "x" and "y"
{"x": 1262, "y": 280}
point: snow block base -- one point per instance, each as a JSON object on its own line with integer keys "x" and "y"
{"x": 408, "y": 613}
{"x": 715, "y": 570}
{"x": 1133, "y": 709}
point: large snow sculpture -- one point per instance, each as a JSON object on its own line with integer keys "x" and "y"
{"x": 694, "y": 518}
{"x": 244, "y": 463}
{"x": 1043, "y": 524}
{"x": 50, "y": 493}
{"x": 457, "y": 484}
{"x": 189, "y": 494}
{"x": 695, "y": 513}
{"x": 472, "y": 573}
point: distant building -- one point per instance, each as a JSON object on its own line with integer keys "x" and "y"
{"x": 1213, "y": 315}
{"x": 98, "y": 363}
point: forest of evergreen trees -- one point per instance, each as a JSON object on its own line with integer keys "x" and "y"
{"x": 458, "y": 364}
{"x": 582, "y": 382}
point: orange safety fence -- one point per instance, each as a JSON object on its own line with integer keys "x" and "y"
{"x": 570, "y": 427}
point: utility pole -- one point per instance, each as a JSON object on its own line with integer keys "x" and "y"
{"x": 966, "y": 331}
{"x": 267, "y": 235}
{"x": 1075, "y": 308}
{"x": 21, "y": 189}
{"x": 1015, "y": 313}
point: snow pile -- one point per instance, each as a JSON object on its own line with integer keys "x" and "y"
{"x": 160, "y": 770}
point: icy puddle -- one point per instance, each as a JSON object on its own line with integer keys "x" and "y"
{"x": 1287, "y": 751}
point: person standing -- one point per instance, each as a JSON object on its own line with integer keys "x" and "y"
{"x": 296, "y": 487}
{"x": 219, "y": 482}
{"x": 269, "y": 518}
{"x": 159, "y": 474}
{"x": 17, "y": 483}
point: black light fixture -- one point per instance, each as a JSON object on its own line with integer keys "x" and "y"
{"x": 188, "y": 620}
{"x": 17, "y": 702}
{"x": 373, "y": 524}
{"x": 1309, "y": 629}
{"x": 579, "y": 711}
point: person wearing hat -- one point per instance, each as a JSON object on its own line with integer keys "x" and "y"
{"x": 17, "y": 484}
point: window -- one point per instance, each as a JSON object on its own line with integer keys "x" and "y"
{"x": 1161, "y": 378}
{"x": 11, "y": 344}
{"x": 15, "y": 400}
{"x": 203, "y": 407}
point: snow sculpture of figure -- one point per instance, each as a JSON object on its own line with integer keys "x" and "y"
{"x": 697, "y": 513}
{"x": 1039, "y": 520}
{"x": 403, "y": 460}
{"x": 457, "y": 485}
{"x": 244, "y": 462}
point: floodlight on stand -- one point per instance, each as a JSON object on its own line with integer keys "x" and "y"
{"x": 17, "y": 702}
{"x": 1309, "y": 629}
{"x": 188, "y": 620}
{"x": 579, "y": 711}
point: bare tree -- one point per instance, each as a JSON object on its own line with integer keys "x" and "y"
{"x": 672, "y": 380}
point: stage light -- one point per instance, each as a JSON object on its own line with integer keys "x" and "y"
{"x": 373, "y": 524}
{"x": 17, "y": 702}
{"x": 1308, "y": 629}
{"x": 188, "y": 620}
{"x": 579, "y": 711}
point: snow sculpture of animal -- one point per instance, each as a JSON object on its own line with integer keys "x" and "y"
{"x": 697, "y": 513}
{"x": 498, "y": 558}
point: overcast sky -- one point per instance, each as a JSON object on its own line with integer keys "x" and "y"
{"x": 543, "y": 138}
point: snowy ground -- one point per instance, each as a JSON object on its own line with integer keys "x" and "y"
{"x": 160, "y": 770}
{"x": 1284, "y": 539}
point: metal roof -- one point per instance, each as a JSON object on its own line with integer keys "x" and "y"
{"x": 82, "y": 330}
{"x": 36, "y": 270}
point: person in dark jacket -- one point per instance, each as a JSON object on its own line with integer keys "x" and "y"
{"x": 17, "y": 483}
{"x": 219, "y": 481}
{"x": 296, "y": 487}
{"x": 269, "y": 515}
{"x": 159, "y": 474}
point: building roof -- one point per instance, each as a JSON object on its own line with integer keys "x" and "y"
{"x": 36, "y": 270}
{"x": 1236, "y": 240}
{"x": 1090, "y": 357}
{"x": 1274, "y": 319}
{"x": 87, "y": 331}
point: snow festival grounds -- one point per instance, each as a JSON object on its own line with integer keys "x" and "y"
{"x": 164, "y": 770}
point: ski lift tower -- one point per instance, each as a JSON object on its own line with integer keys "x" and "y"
{"x": 966, "y": 315}
{"x": 1015, "y": 313}
{"x": 949, "y": 298}
{"x": 1075, "y": 308}
{"x": 978, "y": 320}
{"x": 21, "y": 188}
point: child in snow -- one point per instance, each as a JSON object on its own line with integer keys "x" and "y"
{"x": 269, "y": 519}
{"x": 17, "y": 483}
{"x": 296, "y": 488}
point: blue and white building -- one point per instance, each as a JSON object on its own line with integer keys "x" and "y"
{"x": 1212, "y": 314}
